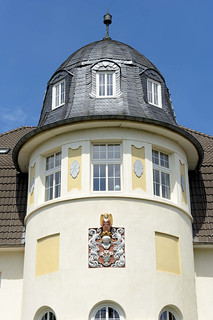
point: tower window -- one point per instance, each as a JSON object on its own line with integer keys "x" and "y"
{"x": 53, "y": 176}
{"x": 105, "y": 84}
{"x": 106, "y": 167}
{"x": 48, "y": 315}
{"x": 167, "y": 315}
{"x": 154, "y": 93}
{"x": 58, "y": 94}
{"x": 161, "y": 174}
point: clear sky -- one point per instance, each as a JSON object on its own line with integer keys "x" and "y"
{"x": 36, "y": 36}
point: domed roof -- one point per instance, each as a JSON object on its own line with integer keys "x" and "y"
{"x": 131, "y": 72}
{"x": 107, "y": 49}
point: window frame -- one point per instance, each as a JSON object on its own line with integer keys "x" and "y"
{"x": 105, "y": 72}
{"x": 161, "y": 169}
{"x": 107, "y": 305}
{"x": 159, "y": 95}
{"x": 52, "y": 171}
{"x": 106, "y": 162}
{"x": 60, "y": 102}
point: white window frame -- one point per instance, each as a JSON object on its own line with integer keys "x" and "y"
{"x": 151, "y": 94}
{"x": 61, "y": 97}
{"x": 52, "y": 172}
{"x": 48, "y": 312}
{"x": 161, "y": 169}
{"x": 105, "y": 73}
{"x": 107, "y": 162}
{"x": 106, "y": 305}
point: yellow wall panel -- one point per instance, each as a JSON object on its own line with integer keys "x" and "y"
{"x": 138, "y": 182}
{"x": 167, "y": 253}
{"x": 74, "y": 183}
{"x": 47, "y": 255}
{"x": 32, "y": 177}
{"x": 182, "y": 173}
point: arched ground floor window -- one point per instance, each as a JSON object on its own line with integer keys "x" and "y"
{"x": 106, "y": 311}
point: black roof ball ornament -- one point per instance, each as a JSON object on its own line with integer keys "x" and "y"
{"x": 107, "y": 22}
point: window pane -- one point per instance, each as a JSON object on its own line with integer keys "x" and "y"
{"x": 50, "y": 162}
{"x": 99, "y": 177}
{"x": 62, "y": 92}
{"x": 58, "y": 159}
{"x": 57, "y": 184}
{"x": 165, "y": 182}
{"x": 171, "y": 316}
{"x": 49, "y": 187}
{"x": 164, "y": 316}
{"x": 149, "y": 91}
{"x": 109, "y": 85}
{"x": 156, "y": 182}
{"x": 113, "y": 314}
{"x": 113, "y": 151}
{"x": 114, "y": 177}
{"x": 57, "y": 95}
{"x": 155, "y": 157}
{"x": 101, "y": 84}
{"x": 99, "y": 151}
{"x": 164, "y": 160}
{"x": 101, "y": 314}
{"x": 155, "y": 93}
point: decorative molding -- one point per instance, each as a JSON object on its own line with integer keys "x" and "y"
{"x": 138, "y": 168}
{"x": 106, "y": 245}
{"x": 74, "y": 169}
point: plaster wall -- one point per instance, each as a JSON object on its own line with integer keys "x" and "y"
{"x": 204, "y": 282}
{"x": 139, "y": 288}
{"x": 11, "y": 268}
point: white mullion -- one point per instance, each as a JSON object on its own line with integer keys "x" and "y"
{"x": 107, "y": 313}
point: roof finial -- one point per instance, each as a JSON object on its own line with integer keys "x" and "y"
{"x": 107, "y": 22}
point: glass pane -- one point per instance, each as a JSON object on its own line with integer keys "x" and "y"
{"x": 49, "y": 187}
{"x": 57, "y": 95}
{"x": 99, "y": 151}
{"x": 114, "y": 151}
{"x": 101, "y": 314}
{"x": 50, "y": 162}
{"x": 114, "y": 177}
{"x": 102, "y": 84}
{"x": 99, "y": 177}
{"x": 109, "y": 84}
{"x": 164, "y": 160}
{"x": 62, "y": 92}
{"x": 171, "y": 316}
{"x": 57, "y": 184}
{"x": 58, "y": 159}
{"x": 113, "y": 314}
{"x": 155, "y": 157}
{"x": 155, "y": 94}
{"x": 164, "y": 316}
{"x": 156, "y": 182}
{"x": 165, "y": 182}
{"x": 150, "y": 91}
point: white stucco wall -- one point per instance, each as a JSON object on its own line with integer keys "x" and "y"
{"x": 204, "y": 282}
{"x": 11, "y": 268}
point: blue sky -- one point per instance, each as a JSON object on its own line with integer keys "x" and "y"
{"x": 37, "y": 36}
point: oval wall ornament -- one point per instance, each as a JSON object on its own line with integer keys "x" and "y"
{"x": 74, "y": 169}
{"x": 138, "y": 168}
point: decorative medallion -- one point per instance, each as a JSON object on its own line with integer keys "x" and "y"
{"x": 32, "y": 185}
{"x": 106, "y": 244}
{"x": 74, "y": 169}
{"x": 138, "y": 168}
{"x": 182, "y": 183}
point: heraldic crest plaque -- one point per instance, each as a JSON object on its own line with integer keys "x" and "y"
{"x": 106, "y": 244}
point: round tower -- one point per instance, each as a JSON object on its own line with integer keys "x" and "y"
{"x": 108, "y": 225}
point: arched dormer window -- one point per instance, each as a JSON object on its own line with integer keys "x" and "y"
{"x": 168, "y": 313}
{"x": 105, "y": 80}
{"x": 106, "y": 311}
{"x": 46, "y": 314}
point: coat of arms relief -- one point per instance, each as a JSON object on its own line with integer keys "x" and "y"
{"x": 106, "y": 244}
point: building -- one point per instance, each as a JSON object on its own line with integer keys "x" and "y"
{"x": 116, "y": 197}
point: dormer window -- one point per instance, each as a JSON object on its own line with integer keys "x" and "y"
{"x": 58, "y": 94}
{"x": 154, "y": 93}
{"x": 105, "y": 84}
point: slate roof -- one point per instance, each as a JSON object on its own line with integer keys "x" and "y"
{"x": 132, "y": 101}
{"x": 201, "y": 191}
{"x": 13, "y": 192}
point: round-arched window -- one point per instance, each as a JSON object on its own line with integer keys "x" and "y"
{"x": 167, "y": 315}
{"x": 107, "y": 311}
{"x": 48, "y": 315}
